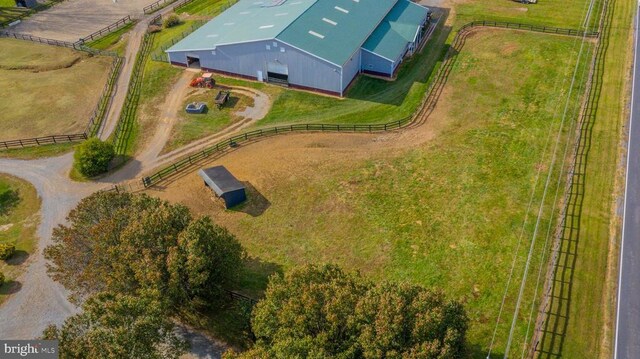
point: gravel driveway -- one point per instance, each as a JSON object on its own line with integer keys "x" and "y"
{"x": 75, "y": 19}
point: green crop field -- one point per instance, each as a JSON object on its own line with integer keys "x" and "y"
{"x": 19, "y": 207}
{"x": 50, "y": 90}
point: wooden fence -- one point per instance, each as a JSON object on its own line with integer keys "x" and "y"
{"x": 130, "y": 106}
{"x": 106, "y": 30}
{"x": 29, "y": 12}
{"x": 252, "y": 135}
{"x": 41, "y": 40}
{"x": 39, "y": 141}
{"x": 428, "y": 103}
{"x": 161, "y": 56}
{"x": 554, "y": 306}
{"x": 153, "y": 7}
{"x": 534, "y": 28}
{"x": 100, "y": 111}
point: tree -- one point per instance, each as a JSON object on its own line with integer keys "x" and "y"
{"x": 2, "y": 278}
{"x": 118, "y": 326}
{"x": 92, "y": 157}
{"x": 172, "y": 20}
{"x": 126, "y": 243}
{"x": 205, "y": 261}
{"x": 320, "y": 312}
{"x": 7, "y": 250}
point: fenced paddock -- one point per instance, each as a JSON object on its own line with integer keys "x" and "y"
{"x": 100, "y": 110}
{"x": 39, "y": 141}
{"x": 428, "y": 103}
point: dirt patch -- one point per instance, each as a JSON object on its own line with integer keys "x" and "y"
{"x": 509, "y": 48}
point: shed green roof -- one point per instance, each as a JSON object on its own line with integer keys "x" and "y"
{"x": 246, "y": 21}
{"x": 335, "y": 29}
{"x": 398, "y": 28}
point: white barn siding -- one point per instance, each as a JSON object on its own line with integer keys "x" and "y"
{"x": 247, "y": 59}
{"x": 350, "y": 69}
{"x": 376, "y": 64}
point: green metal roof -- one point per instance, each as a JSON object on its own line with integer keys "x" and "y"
{"x": 246, "y": 21}
{"x": 334, "y": 29}
{"x": 398, "y": 28}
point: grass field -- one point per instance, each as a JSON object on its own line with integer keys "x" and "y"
{"x": 204, "y": 8}
{"x": 19, "y": 207}
{"x": 191, "y": 127}
{"x": 115, "y": 41}
{"x": 50, "y": 90}
{"x": 591, "y": 313}
{"x": 410, "y": 214}
{"x": 371, "y": 101}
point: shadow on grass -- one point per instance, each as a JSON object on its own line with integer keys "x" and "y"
{"x": 10, "y": 287}
{"x": 18, "y": 257}
{"x": 418, "y": 68}
{"x": 558, "y": 311}
{"x": 476, "y": 351}
{"x": 231, "y": 321}
{"x": 9, "y": 199}
{"x": 255, "y": 205}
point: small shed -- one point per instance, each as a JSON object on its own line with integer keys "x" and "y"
{"x": 224, "y": 184}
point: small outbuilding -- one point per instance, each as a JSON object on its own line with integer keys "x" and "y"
{"x": 224, "y": 184}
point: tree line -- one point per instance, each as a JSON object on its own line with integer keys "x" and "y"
{"x": 132, "y": 262}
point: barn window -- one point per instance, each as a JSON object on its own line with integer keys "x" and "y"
{"x": 275, "y": 44}
{"x": 213, "y": 52}
{"x": 268, "y": 47}
{"x": 282, "y": 49}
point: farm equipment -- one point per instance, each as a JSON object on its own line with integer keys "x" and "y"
{"x": 206, "y": 80}
{"x": 221, "y": 98}
{"x": 196, "y": 107}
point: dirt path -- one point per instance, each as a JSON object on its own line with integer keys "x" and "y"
{"x": 41, "y": 301}
{"x": 133, "y": 47}
{"x": 252, "y": 114}
{"x": 74, "y": 19}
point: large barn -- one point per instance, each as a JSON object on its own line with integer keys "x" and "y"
{"x": 319, "y": 45}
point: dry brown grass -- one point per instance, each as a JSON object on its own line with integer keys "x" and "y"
{"x": 49, "y": 90}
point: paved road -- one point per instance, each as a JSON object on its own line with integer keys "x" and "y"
{"x": 627, "y": 342}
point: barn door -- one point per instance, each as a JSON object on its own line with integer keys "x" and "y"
{"x": 278, "y": 73}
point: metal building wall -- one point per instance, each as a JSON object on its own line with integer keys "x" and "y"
{"x": 350, "y": 69}
{"x": 247, "y": 59}
{"x": 374, "y": 63}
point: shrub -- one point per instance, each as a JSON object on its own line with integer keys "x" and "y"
{"x": 6, "y": 250}
{"x": 154, "y": 28}
{"x": 92, "y": 157}
{"x": 323, "y": 312}
{"x": 171, "y": 21}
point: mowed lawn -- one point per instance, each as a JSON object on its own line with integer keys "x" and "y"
{"x": 192, "y": 127}
{"x": 446, "y": 213}
{"x": 19, "y": 217}
{"x": 48, "y": 90}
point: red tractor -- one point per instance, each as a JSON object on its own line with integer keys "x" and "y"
{"x": 206, "y": 80}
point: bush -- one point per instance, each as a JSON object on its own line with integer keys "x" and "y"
{"x": 323, "y": 312}
{"x": 154, "y": 28}
{"x": 6, "y": 250}
{"x": 172, "y": 20}
{"x": 92, "y": 157}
